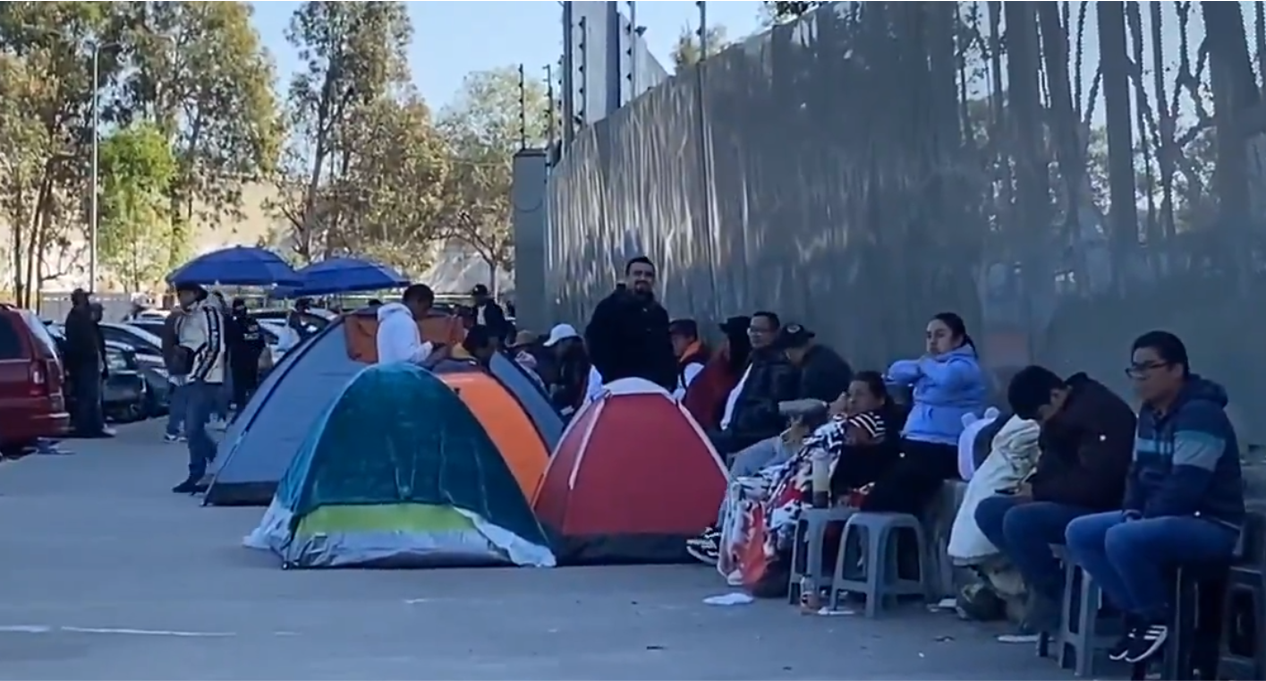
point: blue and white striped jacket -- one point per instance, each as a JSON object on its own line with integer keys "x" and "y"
{"x": 1187, "y": 460}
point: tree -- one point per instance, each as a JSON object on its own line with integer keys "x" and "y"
{"x": 778, "y": 12}
{"x": 137, "y": 171}
{"x": 390, "y": 195}
{"x": 484, "y": 128}
{"x": 45, "y": 49}
{"x": 203, "y": 79}
{"x": 686, "y": 52}
{"x": 354, "y": 55}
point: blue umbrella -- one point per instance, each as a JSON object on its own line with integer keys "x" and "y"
{"x": 346, "y": 275}
{"x": 236, "y": 266}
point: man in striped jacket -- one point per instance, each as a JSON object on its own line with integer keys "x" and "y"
{"x": 202, "y": 358}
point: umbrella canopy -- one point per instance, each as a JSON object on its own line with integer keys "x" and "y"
{"x": 347, "y": 275}
{"x": 236, "y": 266}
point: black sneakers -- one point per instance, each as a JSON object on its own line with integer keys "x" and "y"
{"x": 190, "y": 487}
{"x": 706, "y": 548}
{"x": 1140, "y": 643}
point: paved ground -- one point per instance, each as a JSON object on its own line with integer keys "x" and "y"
{"x": 106, "y": 575}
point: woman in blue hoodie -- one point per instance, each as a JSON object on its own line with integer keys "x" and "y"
{"x": 947, "y": 383}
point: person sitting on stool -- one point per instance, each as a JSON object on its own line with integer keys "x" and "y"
{"x": 1184, "y": 500}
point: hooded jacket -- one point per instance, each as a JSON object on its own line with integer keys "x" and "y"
{"x": 1187, "y": 460}
{"x": 398, "y": 338}
{"x": 1086, "y": 448}
{"x": 202, "y": 332}
{"x": 627, "y": 336}
{"x": 945, "y": 388}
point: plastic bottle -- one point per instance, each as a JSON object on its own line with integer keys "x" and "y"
{"x": 810, "y": 600}
{"x": 821, "y": 479}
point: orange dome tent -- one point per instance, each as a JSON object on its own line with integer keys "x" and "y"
{"x": 632, "y": 479}
{"x": 503, "y": 419}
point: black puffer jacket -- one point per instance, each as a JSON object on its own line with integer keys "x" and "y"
{"x": 628, "y": 336}
{"x": 771, "y": 379}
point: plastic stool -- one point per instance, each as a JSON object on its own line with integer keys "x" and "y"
{"x": 1242, "y": 650}
{"x": 1079, "y": 639}
{"x": 1194, "y": 623}
{"x": 882, "y": 579}
{"x": 811, "y": 529}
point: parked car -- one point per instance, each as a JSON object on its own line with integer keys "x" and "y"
{"x": 125, "y": 394}
{"x": 157, "y": 384}
{"x": 273, "y": 332}
{"x": 314, "y": 319}
{"x": 32, "y": 401}
{"x": 134, "y": 337}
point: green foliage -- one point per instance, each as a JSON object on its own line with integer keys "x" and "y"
{"x": 356, "y": 71}
{"x": 484, "y": 129}
{"x": 686, "y": 52}
{"x": 194, "y": 72}
{"x": 777, "y": 12}
{"x": 137, "y": 171}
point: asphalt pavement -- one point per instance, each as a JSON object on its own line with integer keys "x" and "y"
{"x": 107, "y": 575}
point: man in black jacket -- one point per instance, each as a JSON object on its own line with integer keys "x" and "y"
{"x": 751, "y": 411}
{"x": 1087, "y": 444}
{"x": 824, "y": 375}
{"x": 85, "y": 365}
{"x": 246, "y": 343}
{"x": 628, "y": 333}
{"x": 489, "y": 314}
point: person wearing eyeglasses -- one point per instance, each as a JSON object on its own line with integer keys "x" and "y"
{"x": 1184, "y": 499}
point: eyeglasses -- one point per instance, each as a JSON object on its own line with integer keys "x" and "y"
{"x": 757, "y": 329}
{"x": 1141, "y": 370}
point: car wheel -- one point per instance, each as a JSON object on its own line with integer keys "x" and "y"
{"x": 132, "y": 412}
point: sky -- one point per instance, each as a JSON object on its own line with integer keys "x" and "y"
{"x": 452, "y": 39}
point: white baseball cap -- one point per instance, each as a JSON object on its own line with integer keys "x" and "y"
{"x": 560, "y": 333}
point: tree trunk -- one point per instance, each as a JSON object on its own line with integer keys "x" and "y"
{"x": 1165, "y": 150}
{"x": 1123, "y": 215}
{"x": 1031, "y": 228}
{"x": 1064, "y": 119}
{"x": 1234, "y": 94}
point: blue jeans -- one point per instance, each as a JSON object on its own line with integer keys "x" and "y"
{"x": 175, "y": 409}
{"x": 1130, "y": 558}
{"x": 767, "y": 452}
{"x": 1024, "y": 530}
{"x": 200, "y": 400}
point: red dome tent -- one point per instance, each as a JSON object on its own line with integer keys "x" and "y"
{"x": 632, "y": 478}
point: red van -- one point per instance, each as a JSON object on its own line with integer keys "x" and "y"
{"x": 32, "y": 405}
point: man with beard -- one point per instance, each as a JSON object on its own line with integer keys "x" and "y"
{"x": 628, "y": 333}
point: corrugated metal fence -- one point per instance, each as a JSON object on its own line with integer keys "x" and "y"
{"x": 798, "y": 173}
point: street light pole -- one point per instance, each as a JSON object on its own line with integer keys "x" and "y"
{"x": 96, "y": 136}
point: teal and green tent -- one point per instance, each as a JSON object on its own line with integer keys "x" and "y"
{"x": 398, "y": 472}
